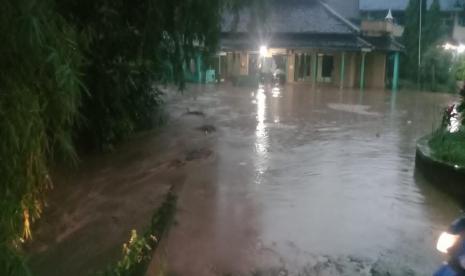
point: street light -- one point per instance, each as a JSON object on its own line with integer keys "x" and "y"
{"x": 263, "y": 51}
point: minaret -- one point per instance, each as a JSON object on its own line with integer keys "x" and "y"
{"x": 389, "y": 17}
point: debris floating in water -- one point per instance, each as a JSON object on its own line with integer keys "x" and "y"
{"x": 195, "y": 113}
{"x": 207, "y": 129}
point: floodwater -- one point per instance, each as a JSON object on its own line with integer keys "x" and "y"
{"x": 289, "y": 181}
{"x": 310, "y": 182}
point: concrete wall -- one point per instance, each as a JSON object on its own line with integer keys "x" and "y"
{"x": 229, "y": 65}
{"x": 350, "y": 70}
{"x": 375, "y": 70}
{"x": 290, "y": 67}
{"x": 235, "y": 60}
{"x": 336, "y": 74}
{"x": 244, "y": 64}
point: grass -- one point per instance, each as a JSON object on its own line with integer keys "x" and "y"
{"x": 137, "y": 252}
{"x": 448, "y": 147}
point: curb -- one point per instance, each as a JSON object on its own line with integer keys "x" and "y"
{"x": 447, "y": 177}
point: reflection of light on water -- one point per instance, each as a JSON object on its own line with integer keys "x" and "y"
{"x": 261, "y": 109}
{"x": 276, "y": 92}
{"x": 454, "y": 123}
{"x": 261, "y": 141}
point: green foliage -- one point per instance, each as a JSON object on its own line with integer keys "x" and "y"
{"x": 437, "y": 70}
{"x": 84, "y": 71}
{"x": 434, "y": 30}
{"x": 436, "y": 64}
{"x": 448, "y": 147}
{"x": 11, "y": 263}
{"x": 40, "y": 94}
{"x": 459, "y": 68}
{"x": 137, "y": 252}
{"x": 130, "y": 47}
{"x": 410, "y": 39}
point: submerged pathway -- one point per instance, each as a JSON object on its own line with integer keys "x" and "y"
{"x": 289, "y": 181}
{"x": 309, "y": 182}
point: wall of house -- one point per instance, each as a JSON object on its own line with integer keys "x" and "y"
{"x": 229, "y": 65}
{"x": 375, "y": 70}
{"x": 351, "y": 70}
{"x": 290, "y": 67}
{"x": 237, "y": 64}
{"x": 336, "y": 75}
{"x": 244, "y": 64}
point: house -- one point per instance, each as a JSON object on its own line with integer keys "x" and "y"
{"x": 311, "y": 41}
{"x": 452, "y": 14}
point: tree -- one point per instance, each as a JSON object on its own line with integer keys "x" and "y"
{"x": 84, "y": 70}
{"x": 436, "y": 63}
{"x": 433, "y": 28}
{"x": 40, "y": 95}
{"x": 410, "y": 38}
{"x": 436, "y": 73}
{"x": 130, "y": 46}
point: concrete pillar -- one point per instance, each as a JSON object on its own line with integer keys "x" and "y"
{"x": 395, "y": 72}
{"x": 362, "y": 71}
{"x": 199, "y": 68}
{"x": 291, "y": 67}
{"x": 244, "y": 63}
{"x": 314, "y": 67}
{"x": 343, "y": 64}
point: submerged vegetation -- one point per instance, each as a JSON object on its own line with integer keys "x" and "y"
{"x": 448, "y": 142}
{"x": 83, "y": 74}
{"x": 449, "y": 147}
{"x": 137, "y": 252}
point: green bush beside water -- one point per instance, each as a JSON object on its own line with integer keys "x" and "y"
{"x": 448, "y": 147}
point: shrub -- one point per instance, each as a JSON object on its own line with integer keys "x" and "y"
{"x": 40, "y": 94}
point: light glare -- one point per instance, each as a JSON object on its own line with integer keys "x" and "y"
{"x": 263, "y": 51}
{"x": 446, "y": 241}
{"x": 457, "y": 48}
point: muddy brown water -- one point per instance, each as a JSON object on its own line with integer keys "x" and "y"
{"x": 290, "y": 181}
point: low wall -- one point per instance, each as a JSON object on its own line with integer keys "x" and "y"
{"x": 447, "y": 177}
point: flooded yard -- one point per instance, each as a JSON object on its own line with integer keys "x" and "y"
{"x": 276, "y": 181}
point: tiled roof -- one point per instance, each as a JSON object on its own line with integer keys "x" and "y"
{"x": 295, "y": 16}
{"x": 296, "y": 41}
{"x": 300, "y": 24}
{"x": 400, "y": 5}
{"x": 385, "y": 43}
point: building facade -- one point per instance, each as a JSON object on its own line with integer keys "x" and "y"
{"x": 312, "y": 42}
{"x": 452, "y": 14}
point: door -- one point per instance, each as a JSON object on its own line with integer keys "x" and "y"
{"x": 326, "y": 67}
{"x": 253, "y": 64}
{"x": 303, "y": 66}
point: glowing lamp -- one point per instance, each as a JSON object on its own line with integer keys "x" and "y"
{"x": 263, "y": 51}
{"x": 446, "y": 241}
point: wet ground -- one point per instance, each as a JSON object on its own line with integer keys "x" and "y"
{"x": 290, "y": 181}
